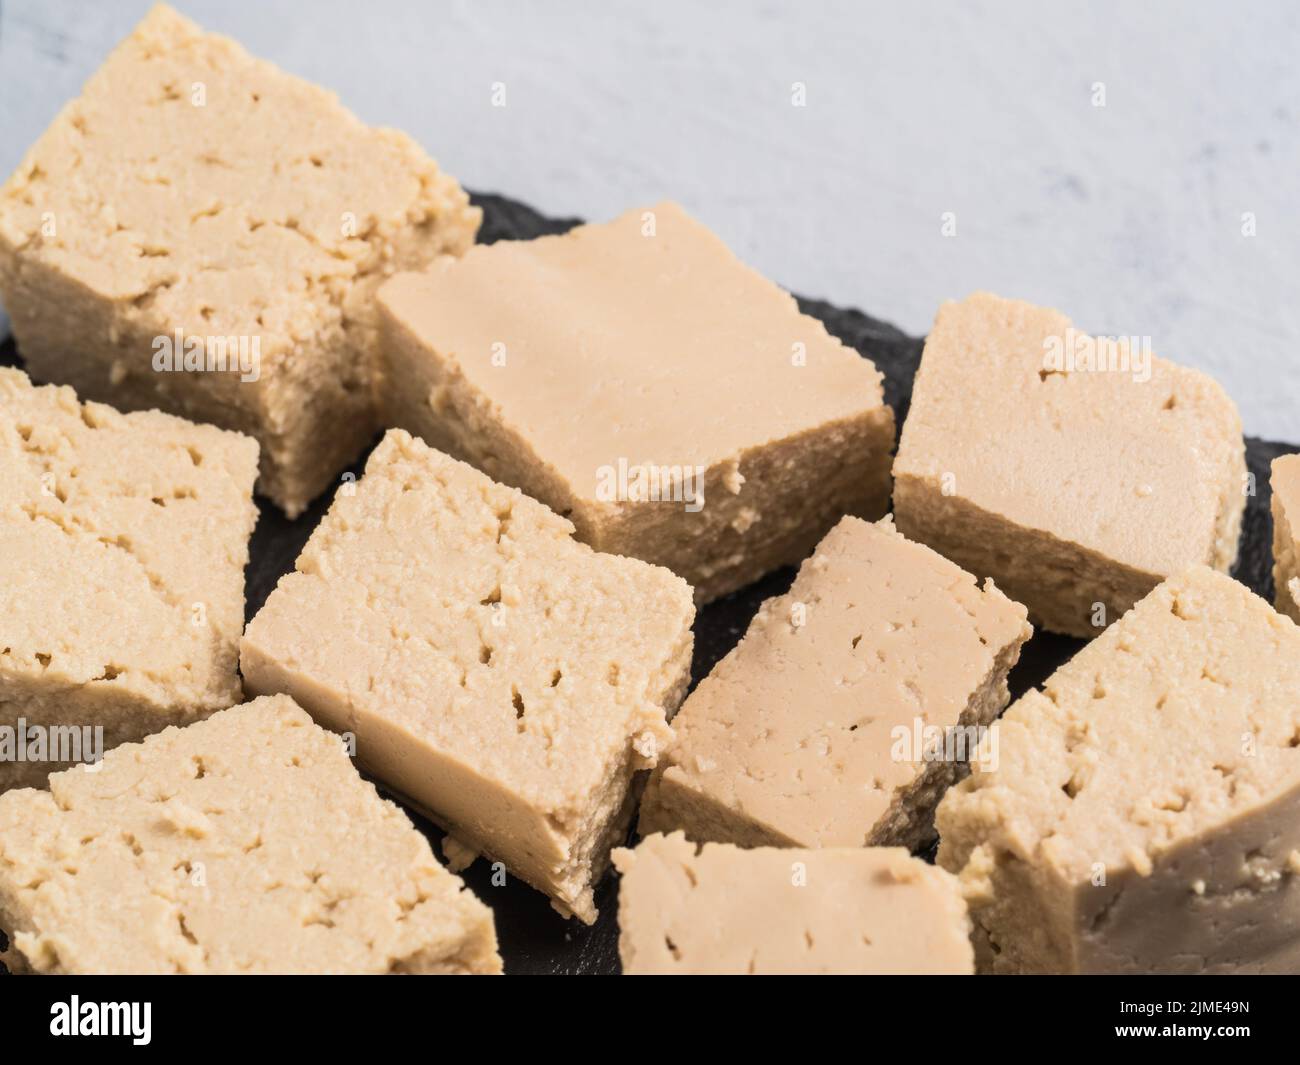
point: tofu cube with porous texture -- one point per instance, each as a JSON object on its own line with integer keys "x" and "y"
{"x": 717, "y": 909}
{"x": 1077, "y": 472}
{"x": 123, "y": 541}
{"x": 849, "y": 706}
{"x": 507, "y": 680}
{"x": 641, "y": 381}
{"x": 246, "y": 843}
{"x": 1144, "y": 815}
{"x": 203, "y": 233}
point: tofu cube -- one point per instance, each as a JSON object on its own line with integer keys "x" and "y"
{"x": 1077, "y": 472}
{"x": 123, "y": 541}
{"x": 504, "y": 678}
{"x": 246, "y": 843}
{"x": 203, "y": 233}
{"x": 850, "y": 705}
{"x": 642, "y": 382}
{"x": 720, "y": 910}
{"x": 1144, "y": 815}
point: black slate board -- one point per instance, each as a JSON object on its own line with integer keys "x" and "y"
{"x": 534, "y": 939}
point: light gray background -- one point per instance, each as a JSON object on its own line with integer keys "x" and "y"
{"x": 1127, "y": 216}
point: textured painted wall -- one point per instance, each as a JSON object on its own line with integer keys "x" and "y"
{"x": 1129, "y": 216}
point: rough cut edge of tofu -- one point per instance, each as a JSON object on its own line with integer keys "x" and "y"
{"x": 1286, "y": 555}
{"x": 477, "y": 956}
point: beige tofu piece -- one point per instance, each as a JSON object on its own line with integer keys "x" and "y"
{"x": 1144, "y": 816}
{"x": 1074, "y": 489}
{"x": 1284, "y": 480}
{"x": 685, "y": 909}
{"x": 504, "y": 678}
{"x": 848, "y": 708}
{"x": 647, "y": 385}
{"x": 123, "y": 541}
{"x": 246, "y": 843}
{"x": 194, "y": 188}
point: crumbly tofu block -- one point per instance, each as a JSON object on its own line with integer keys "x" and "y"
{"x": 123, "y": 541}
{"x": 718, "y": 909}
{"x": 506, "y": 679}
{"x": 246, "y": 843}
{"x": 1284, "y": 480}
{"x": 642, "y": 382}
{"x": 1074, "y": 489}
{"x": 195, "y": 193}
{"x": 849, "y": 707}
{"x": 1144, "y": 816}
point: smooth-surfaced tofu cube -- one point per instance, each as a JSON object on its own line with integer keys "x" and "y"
{"x": 1144, "y": 816}
{"x": 1285, "y": 484}
{"x": 718, "y": 909}
{"x": 1077, "y": 472}
{"x": 506, "y": 679}
{"x": 641, "y": 381}
{"x": 851, "y": 704}
{"x": 202, "y": 233}
{"x": 123, "y": 540}
{"x": 246, "y": 843}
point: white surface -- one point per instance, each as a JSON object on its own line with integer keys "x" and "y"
{"x": 1126, "y": 216}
